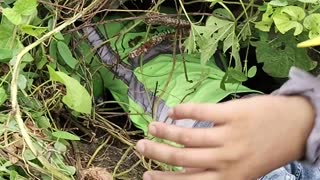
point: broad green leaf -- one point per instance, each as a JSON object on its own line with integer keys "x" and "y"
{"x": 33, "y": 30}
{"x": 237, "y": 75}
{"x": 252, "y": 71}
{"x": 312, "y": 23}
{"x": 77, "y": 97}
{"x": 6, "y": 31}
{"x": 204, "y": 88}
{"x": 25, "y": 7}
{"x": 65, "y": 135}
{"x": 280, "y": 54}
{"x": 66, "y": 54}
{"x": 13, "y": 16}
{"x": 5, "y": 54}
{"x": 288, "y": 18}
{"x": 3, "y": 96}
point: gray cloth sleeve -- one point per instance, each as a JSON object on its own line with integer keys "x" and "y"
{"x": 304, "y": 84}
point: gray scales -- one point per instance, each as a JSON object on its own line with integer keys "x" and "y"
{"x": 136, "y": 90}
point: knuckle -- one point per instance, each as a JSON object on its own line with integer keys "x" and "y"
{"x": 185, "y": 139}
{"x": 235, "y": 153}
{"x": 177, "y": 158}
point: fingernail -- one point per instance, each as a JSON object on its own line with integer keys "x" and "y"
{"x": 146, "y": 176}
{"x": 140, "y": 146}
{"x": 152, "y": 129}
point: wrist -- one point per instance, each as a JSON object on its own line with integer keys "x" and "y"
{"x": 302, "y": 117}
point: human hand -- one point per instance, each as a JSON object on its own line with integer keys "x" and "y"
{"x": 251, "y": 137}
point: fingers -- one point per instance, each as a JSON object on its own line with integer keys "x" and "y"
{"x": 185, "y": 157}
{"x": 217, "y": 113}
{"x": 207, "y": 137}
{"x": 157, "y": 175}
{"x": 193, "y": 170}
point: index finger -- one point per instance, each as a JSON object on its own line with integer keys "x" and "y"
{"x": 217, "y": 113}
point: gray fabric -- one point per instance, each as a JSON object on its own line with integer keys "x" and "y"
{"x": 302, "y": 83}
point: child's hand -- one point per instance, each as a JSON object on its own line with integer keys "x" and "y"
{"x": 250, "y": 138}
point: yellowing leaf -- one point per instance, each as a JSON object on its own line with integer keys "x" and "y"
{"x": 266, "y": 21}
{"x": 278, "y": 2}
{"x": 312, "y": 23}
{"x": 288, "y": 18}
{"x": 13, "y": 16}
{"x": 25, "y": 7}
{"x": 77, "y": 97}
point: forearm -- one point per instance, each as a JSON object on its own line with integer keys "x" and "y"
{"x": 308, "y": 88}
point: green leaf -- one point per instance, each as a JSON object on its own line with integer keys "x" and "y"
{"x": 288, "y": 18}
{"x": 280, "y": 54}
{"x": 237, "y": 75}
{"x": 25, "y": 7}
{"x": 60, "y": 146}
{"x": 33, "y": 30}
{"x": 53, "y": 50}
{"x": 22, "y": 81}
{"x": 65, "y": 135}
{"x": 5, "y": 54}
{"x": 59, "y": 36}
{"x": 208, "y": 37}
{"x": 43, "y": 122}
{"x": 3, "y": 96}
{"x": 204, "y": 88}
{"x": 312, "y": 23}
{"x": 74, "y": 92}
{"x": 252, "y": 71}
{"x": 223, "y": 13}
{"x": 278, "y": 3}
{"x": 309, "y": 1}
{"x": 70, "y": 169}
{"x": 13, "y": 175}
{"x": 266, "y": 21}
{"x": 28, "y": 155}
{"x": 13, "y": 16}
{"x": 66, "y": 54}
{"x": 190, "y": 43}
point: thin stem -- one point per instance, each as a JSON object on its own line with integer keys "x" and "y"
{"x": 16, "y": 113}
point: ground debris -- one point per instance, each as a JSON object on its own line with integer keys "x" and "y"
{"x": 95, "y": 173}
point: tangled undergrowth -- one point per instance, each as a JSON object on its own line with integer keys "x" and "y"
{"x": 68, "y": 110}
